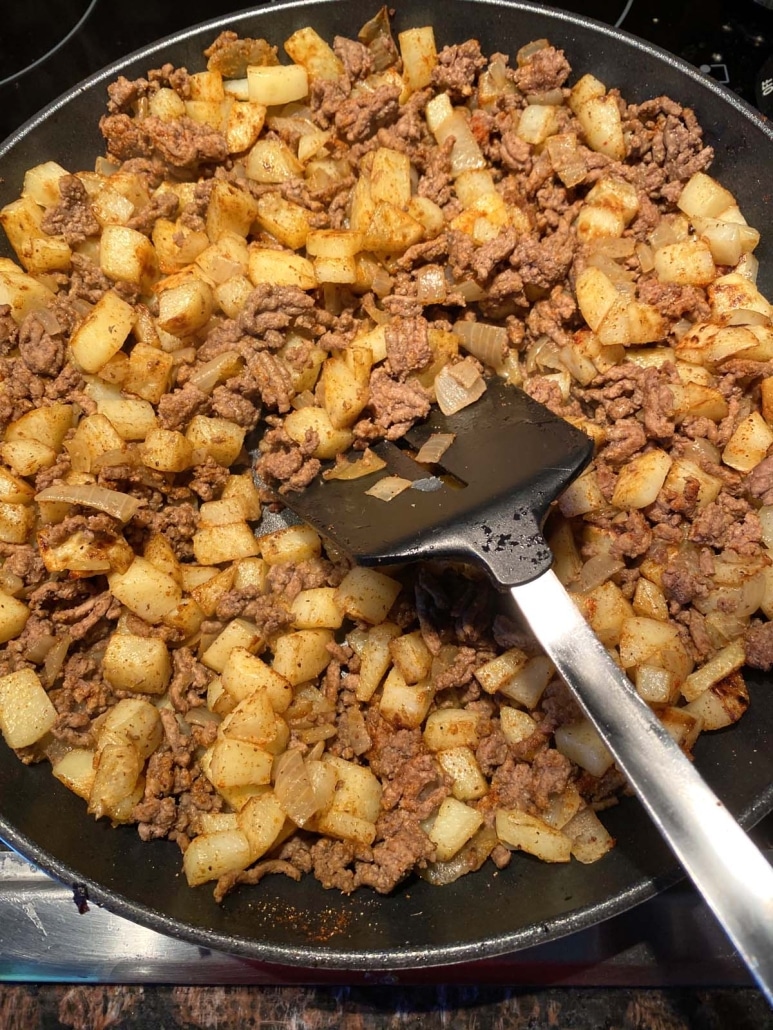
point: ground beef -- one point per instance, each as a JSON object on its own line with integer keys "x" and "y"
{"x": 231, "y": 56}
{"x": 759, "y": 482}
{"x": 674, "y": 301}
{"x": 175, "y": 410}
{"x": 289, "y": 463}
{"x": 622, "y": 441}
{"x": 396, "y": 405}
{"x": 360, "y": 115}
{"x": 42, "y": 354}
{"x": 544, "y": 70}
{"x": 162, "y": 205}
{"x": 356, "y": 58}
{"x": 457, "y": 70}
{"x": 758, "y": 644}
{"x": 73, "y": 216}
{"x": 407, "y": 346}
{"x": 401, "y": 847}
{"x": 273, "y": 307}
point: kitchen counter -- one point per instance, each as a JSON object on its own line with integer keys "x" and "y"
{"x": 49, "y": 1006}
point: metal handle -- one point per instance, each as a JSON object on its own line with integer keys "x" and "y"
{"x": 727, "y": 868}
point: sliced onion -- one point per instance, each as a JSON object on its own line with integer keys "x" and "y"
{"x": 220, "y": 368}
{"x": 294, "y": 124}
{"x": 748, "y": 267}
{"x": 609, "y": 267}
{"x": 452, "y": 396}
{"x": 681, "y": 327}
{"x": 119, "y": 505}
{"x": 566, "y": 159}
{"x": 220, "y": 268}
{"x": 10, "y": 583}
{"x": 765, "y": 515}
{"x": 433, "y": 449}
{"x": 526, "y": 52}
{"x": 663, "y": 235}
{"x": 498, "y": 72}
{"x": 367, "y": 463}
{"x": 466, "y": 154}
{"x": 431, "y": 285}
{"x": 543, "y": 353}
{"x": 54, "y": 660}
{"x": 488, "y": 343}
{"x": 37, "y": 651}
{"x": 357, "y": 736}
{"x": 550, "y": 98}
{"x": 49, "y": 321}
{"x": 701, "y": 449}
{"x": 388, "y": 488}
{"x": 595, "y": 572}
{"x": 465, "y": 372}
{"x": 293, "y": 787}
{"x": 645, "y": 256}
{"x": 305, "y": 399}
{"x": 469, "y": 290}
{"x": 379, "y": 316}
{"x": 622, "y": 247}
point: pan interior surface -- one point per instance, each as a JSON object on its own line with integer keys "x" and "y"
{"x": 488, "y": 913}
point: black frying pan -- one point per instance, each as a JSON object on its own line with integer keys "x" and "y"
{"x": 488, "y": 913}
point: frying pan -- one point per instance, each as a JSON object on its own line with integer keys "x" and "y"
{"x": 489, "y": 913}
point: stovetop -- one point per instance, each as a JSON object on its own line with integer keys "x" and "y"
{"x": 47, "y": 47}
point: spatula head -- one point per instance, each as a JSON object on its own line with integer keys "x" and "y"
{"x": 510, "y": 458}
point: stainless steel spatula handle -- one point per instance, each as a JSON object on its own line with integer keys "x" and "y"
{"x": 727, "y": 868}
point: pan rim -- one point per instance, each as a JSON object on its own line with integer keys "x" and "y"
{"x": 382, "y": 959}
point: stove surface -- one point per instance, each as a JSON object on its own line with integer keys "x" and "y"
{"x": 48, "y": 47}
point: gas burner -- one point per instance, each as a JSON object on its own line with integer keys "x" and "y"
{"x": 29, "y": 39}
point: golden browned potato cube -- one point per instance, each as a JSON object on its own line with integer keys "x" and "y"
{"x": 375, "y": 658}
{"x": 238, "y": 633}
{"x": 357, "y": 790}
{"x": 212, "y": 855}
{"x": 141, "y": 664}
{"x": 215, "y": 544}
{"x": 411, "y": 656}
{"x": 261, "y": 820}
{"x": 461, "y": 765}
{"x": 391, "y": 229}
{"x": 302, "y": 655}
{"x": 316, "y": 608}
{"x": 237, "y": 763}
{"x": 640, "y": 481}
{"x": 131, "y": 417}
{"x": 26, "y": 711}
{"x": 232, "y": 294}
{"x": 308, "y": 48}
{"x": 242, "y": 488}
{"x": 13, "y": 616}
{"x": 419, "y": 54}
{"x": 185, "y": 307}
{"x": 133, "y": 720}
{"x": 22, "y": 293}
{"x": 451, "y": 727}
{"x": 145, "y": 590}
{"x": 286, "y": 221}
{"x": 26, "y": 457}
{"x": 46, "y": 254}
{"x": 404, "y": 704}
{"x": 210, "y": 587}
{"x": 230, "y": 210}
{"x": 293, "y": 544}
{"x": 41, "y": 183}
{"x": 367, "y": 594}
{"x": 454, "y": 824}
{"x": 244, "y": 673}
{"x": 16, "y": 522}
{"x": 128, "y": 256}
{"x": 13, "y": 489}
{"x": 94, "y": 436}
{"x": 76, "y": 771}
{"x": 149, "y": 373}
{"x": 688, "y": 263}
{"x": 245, "y": 121}
{"x": 166, "y": 450}
{"x": 177, "y": 246}
{"x": 281, "y": 267}
{"x": 332, "y": 441}
{"x": 47, "y": 425}
{"x": 527, "y": 833}
{"x": 271, "y": 161}
{"x": 102, "y": 333}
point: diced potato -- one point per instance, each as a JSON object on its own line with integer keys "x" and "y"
{"x": 405, "y": 704}
{"x": 212, "y": 855}
{"x": 45, "y": 254}
{"x": 375, "y": 659}
{"x": 703, "y": 197}
{"x": 275, "y": 85}
{"x": 213, "y": 545}
{"x": 302, "y": 655}
{"x": 26, "y": 711}
{"x": 293, "y": 544}
{"x": 451, "y": 727}
{"x": 367, "y": 594}
{"x": 118, "y": 769}
{"x": 102, "y": 332}
{"x": 281, "y": 267}
{"x": 166, "y": 450}
{"x": 683, "y": 726}
{"x": 599, "y": 117}
{"x": 345, "y": 389}
{"x": 132, "y": 721}
{"x": 411, "y": 656}
{"x": 581, "y": 744}
{"x": 494, "y": 674}
{"x": 527, "y": 686}
{"x": 237, "y": 763}
{"x": 656, "y": 686}
{"x": 537, "y": 122}
{"x": 149, "y": 373}
{"x": 390, "y": 177}
{"x": 616, "y": 194}
{"x": 47, "y": 425}
{"x": 527, "y": 833}
{"x": 735, "y": 300}
{"x": 344, "y": 826}
{"x": 606, "y": 609}
{"x": 238, "y": 633}
{"x": 596, "y": 294}
{"x": 357, "y": 790}
{"x": 220, "y": 439}
{"x": 306, "y": 47}
{"x": 94, "y": 436}
{"x": 688, "y": 263}
{"x": 640, "y": 481}
{"x": 316, "y": 608}
{"x": 83, "y": 554}
{"x": 131, "y": 417}
{"x": 244, "y": 674}
{"x": 76, "y": 771}
{"x": 16, "y": 522}
{"x": 128, "y": 256}
{"x": 208, "y": 591}
{"x": 177, "y": 246}
{"x": 419, "y": 54}
{"x": 516, "y": 724}
{"x": 649, "y": 600}
{"x": 41, "y": 183}
{"x": 145, "y": 590}
{"x": 166, "y": 104}
{"x": 721, "y": 704}
{"x": 22, "y": 293}
{"x": 230, "y": 210}
{"x": 725, "y": 662}
{"x": 13, "y": 616}
{"x": 749, "y": 443}
{"x": 13, "y": 489}
{"x": 286, "y": 221}
{"x": 243, "y": 126}
{"x": 159, "y": 552}
{"x": 261, "y": 820}
{"x": 184, "y": 307}
{"x": 140, "y": 664}
{"x": 332, "y": 441}
{"x": 272, "y": 161}
{"x": 461, "y": 765}
{"x": 454, "y": 824}
{"x": 586, "y": 88}
{"x": 590, "y": 838}
{"x": 390, "y": 229}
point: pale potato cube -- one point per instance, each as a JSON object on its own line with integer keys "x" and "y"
{"x": 13, "y": 489}
{"x": 16, "y": 522}
{"x": 390, "y": 229}
{"x": 596, "y": 221}
{"x": 596, "y": 294}
{"x": 590, "y": 838}
{"x": 22, "y": 221}
{"x": 419, "y": 54}
{"x": 118, "y": 768}
{"x": 244, "y": 124}
{"x": 294, "y": 544}
{"x": 367, "y": 594}
{"x": 703, "y": 197}
{"x": 525, "y": 832}
{"x": 214, "y": 822}
{"x": 586, "y": 88}
{"x": 599, "y": 117}
{"x": 166, "y": 104}
{"x": 537, "y": 122}
{"x": 261, "y": 820}
{"x": 211, "y": 855}
{"x": 527, "y": 686}
{"x": 186, "y": 617}
{"x": 335, "y": 269}
{"x": 640, "y": 481}
{"x": 692, "y": 400}
{"x": 281, "y": 267}
{"x": 244, "y": 674}
{"x": 254, "y": 721}
{"x": 13, "y": 616}
{"x": 656, "y": 686}
{"x": 128, "y": 256}
{"x": 316, "y": 608}
{"x": 23, "y": 293}
{"x": 26, "y": 711}
{"x": 725, "y": 662}
{"x": 451, "y": 727}
{"x": 102, "y": 333}
{"x": 185, "y": 307}
{"x": 132, "y": 721}
{"x": 242, "y": 488}
{"x": 237, "y": 763}
{"x": 275, "y": 85}
{"x": 375, "y": 658}
{"x": 405, "y": 704}
{"x": 220, "y": 439}
{"x": 606, "y": 609}
{"x": 238, "y": 633}
{"x": 145, "y": 590}
{"x": 76, "y": 771}
{"x": 651, "y": 642}
{"x": 649, "y": 601}
{"x": 166, "y": 450}
{"x": 251, "y": 574}
{"x": 461, "y": 765}
{"x": 286, "y": 221}
{"x": 26, "y": 457}
{"x": 215, "y": 544}
{"x": 47, "y": 425}
{"x": 302, "y": 654}
{"x": 45, "y": 254}
{"x": 580, "y": 743}
{"x": 344, "y": 826}
{"x": 735, "y": 300}
{"x": 159, "y": 552}
{"x": 688, "y": 263}
{"x": 149, "y": 373}
{"x": 140, "y": 664}
{"x": 357, "y": 790}
{"x": 411, "y": 656}
{"x": 230, "y": 210}
{"x": 749, "y": 443}
{"x": 454, "y": 824}
{"x": 390, "y": 177}
{"x": 516, "y": 724}
{"x": 494, "y": 674}
{"x": 131, "y": 417}
{"x": 41, "y": 183}
{"x": 332, "y": 441}
{"x": 272, "y": 161}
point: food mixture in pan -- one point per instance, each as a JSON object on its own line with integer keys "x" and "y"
{"x": 302, "y": 258}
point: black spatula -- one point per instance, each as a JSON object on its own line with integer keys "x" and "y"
{"x": 510, "y": 459}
